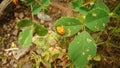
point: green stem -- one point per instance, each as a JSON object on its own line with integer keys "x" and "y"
{"x": 31, "y": 13}
{"x": 99, "y": 36}
{"x": 115, "y": 5}
{"x": 90, "y": 2}
{"x": 84, "y": 27}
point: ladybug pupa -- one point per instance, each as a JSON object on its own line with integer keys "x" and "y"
{"x": 16, "y": 2}
{"x": 60, "y": 30}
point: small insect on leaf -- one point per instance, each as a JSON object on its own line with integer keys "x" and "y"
{"x": 60, "y": 30}
{"x": 16, "y": 2}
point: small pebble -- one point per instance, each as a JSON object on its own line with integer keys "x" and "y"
{"x": 15, "y": 65}
{"x": 16, "y": 14}
{"x": 15, "y": 32}
{"x": 42, "y": 21}
{"x": 21, "y": 15}
{"x": 27, "y": 65}
{"x": 44, "y": 17}
{"x": 38, "y": 51}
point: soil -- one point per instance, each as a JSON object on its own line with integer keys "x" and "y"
{"x": 110, "y": 50}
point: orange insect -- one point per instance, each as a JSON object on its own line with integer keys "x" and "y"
{"x": 60, "y": 30}
{"x": 16, "y": 2}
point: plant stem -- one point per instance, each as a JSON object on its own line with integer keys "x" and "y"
{"x": 84, "y": 27}
{"x": 99, "y": 36}
{"x": 100, "y": 43}
{"x": 31, "y": 13}
{"x": 112, "y": 45}
{"x": 90, "y": 2}
{"x": 105, "y": 42}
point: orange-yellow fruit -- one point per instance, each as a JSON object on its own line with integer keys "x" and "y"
{"x": 60, "y": 30}
{"x": 15, "y": 2}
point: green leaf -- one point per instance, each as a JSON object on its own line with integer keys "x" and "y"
{"x": 25, "y": 37}
{"x": 83, "y": 10}
{"x": 96, "y": 19}
{"x": 82, "y": 49}
{"x": 24, "y": 23}
{"x": 70, "y": 25}
{"x": 45, "y": 2}
{"x": 40, "y": 30}
{"x": 45, "y": 11}
{"x": 76, "y": 5}
{"x": 36, "y": 9}
{"x": 30, "y": 2}
{"x": 102, "y": 5}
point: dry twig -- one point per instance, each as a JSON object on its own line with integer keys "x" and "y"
{"x": 4, "y": 4}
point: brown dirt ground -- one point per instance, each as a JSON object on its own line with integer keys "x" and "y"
{"x": 9, "y": 34}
